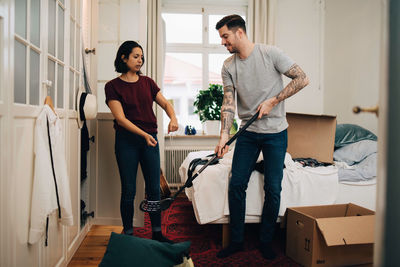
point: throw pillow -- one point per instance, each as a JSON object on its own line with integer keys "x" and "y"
{"x": 355, "y": 152}
{"x": 126, "y": 250}
{"x": 351, "y": 133}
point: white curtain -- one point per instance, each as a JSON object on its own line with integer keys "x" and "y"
{"x": 155, "y": 42}
{"x": 262, "y": 21}
{"x": 155, "y": 58}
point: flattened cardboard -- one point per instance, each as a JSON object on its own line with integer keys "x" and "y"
{"x": 347, "y": 230}
{"x": 306, "y": 242}
{"x": 311, "y": 136}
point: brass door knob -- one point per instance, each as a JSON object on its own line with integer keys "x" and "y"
{"x": 375, "y": 110}
{"x": 88, "y": 51}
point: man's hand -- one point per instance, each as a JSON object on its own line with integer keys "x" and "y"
{"x": 173, "y": 125}
{"x": 221, "y": 148}
{"x": 265, "y": 107}
{"x": 150, "y": 140}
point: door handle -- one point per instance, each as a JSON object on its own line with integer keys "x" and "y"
{"x": 88, "y": 51}
{"x": 47, "y": 83}
{"x": 358, "y": 109}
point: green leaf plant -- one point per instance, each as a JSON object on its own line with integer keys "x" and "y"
{"x": 208, "y": 103}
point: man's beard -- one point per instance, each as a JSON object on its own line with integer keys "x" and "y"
{"x": 233, "y": 51}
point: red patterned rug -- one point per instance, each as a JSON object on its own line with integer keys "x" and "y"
{"x": 179, "y": 224}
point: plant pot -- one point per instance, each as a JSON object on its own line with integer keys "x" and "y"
{"x": 212, "y": 127}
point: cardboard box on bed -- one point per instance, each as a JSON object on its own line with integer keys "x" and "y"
{"x": 330, "y": 235}
{"x": 311, "y": 136}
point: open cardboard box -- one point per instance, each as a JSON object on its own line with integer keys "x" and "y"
{"x": 311, "y": 136}
{"x": 330, "y": 235}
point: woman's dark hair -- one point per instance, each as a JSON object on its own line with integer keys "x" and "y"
{"x": 125, "y": 50}
{"x": 233, "y": 22}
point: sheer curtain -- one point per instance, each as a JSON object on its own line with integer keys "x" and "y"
{"x": 155, "y": 58}
{"x": 262, "y": 21}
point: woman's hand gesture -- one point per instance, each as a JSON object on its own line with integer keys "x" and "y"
{"x": 150, "y": 140}
{"x": 173, "y": 125}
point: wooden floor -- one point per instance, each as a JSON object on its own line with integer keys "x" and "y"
{"x": 91, "y": 251}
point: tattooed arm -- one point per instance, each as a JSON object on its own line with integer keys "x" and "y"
{"x": 227, "y": 109}
{"x": 298, "y": 82}
{"x": 227, "y": 117}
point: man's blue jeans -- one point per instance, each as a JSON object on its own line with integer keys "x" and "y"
{"x": 247, "y": 150}
{"x": 130, "y": 150}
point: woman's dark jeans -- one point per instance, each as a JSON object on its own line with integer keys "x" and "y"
{"x": 130, "y": 150}
{"x": 247, "y": 150}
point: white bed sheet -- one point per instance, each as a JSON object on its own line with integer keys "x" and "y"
{"x": 301, "y": 186}
{"x": 360, "y": 193}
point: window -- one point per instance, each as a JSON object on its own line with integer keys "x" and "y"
{"x": 55, "y": 55}
{"x": 193, "y": 55}
{"x": 31, "y": 59}
{"x": 27, "y": 51}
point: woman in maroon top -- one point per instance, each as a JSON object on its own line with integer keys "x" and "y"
{"x": 130, "y": 98}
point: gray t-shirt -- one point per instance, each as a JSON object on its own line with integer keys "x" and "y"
{"x": 255, "y": 79}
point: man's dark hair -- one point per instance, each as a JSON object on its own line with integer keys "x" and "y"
{"x": 125, "y": 50}
{"x": 233, "y": 22}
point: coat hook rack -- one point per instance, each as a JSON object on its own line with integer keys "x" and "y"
{"x": 88, "y": 51}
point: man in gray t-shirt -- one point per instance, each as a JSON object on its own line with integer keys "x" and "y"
{"x": 254, "y": 80}
{"x": 253, "y": 74}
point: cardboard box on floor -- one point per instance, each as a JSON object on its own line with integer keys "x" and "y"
{"x": 311, "y": 136}
{"x": 330, "y": 235}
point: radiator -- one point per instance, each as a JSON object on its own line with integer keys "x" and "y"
{"x": 174, "y": 156}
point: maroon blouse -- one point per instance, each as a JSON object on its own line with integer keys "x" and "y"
{"x": 137, "y": 101}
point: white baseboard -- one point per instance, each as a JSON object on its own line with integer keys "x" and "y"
{"x": 115, "y": 221}
{"x": 77, "y": 242}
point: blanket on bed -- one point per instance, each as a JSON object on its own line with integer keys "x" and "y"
{"x": 301, "y": 186}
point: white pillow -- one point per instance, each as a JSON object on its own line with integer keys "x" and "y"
{"x": 355, "y": 152}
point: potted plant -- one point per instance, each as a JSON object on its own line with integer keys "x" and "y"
{"x": 208, "y": 105}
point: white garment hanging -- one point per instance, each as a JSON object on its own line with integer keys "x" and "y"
{"x": 44, "y": 197}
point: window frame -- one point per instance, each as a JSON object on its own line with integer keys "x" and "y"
{"x": 29, "y": 45}
{"x": 61, "y": 64}
{"x": 74, "y": 66}
{"x": 204, "y": 48}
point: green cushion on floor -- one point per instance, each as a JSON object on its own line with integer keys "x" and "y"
{"x": 125, "y": 250}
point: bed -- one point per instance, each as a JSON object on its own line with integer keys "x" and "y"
{"x": 301, "y": 186}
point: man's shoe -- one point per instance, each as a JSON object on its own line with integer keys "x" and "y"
{"x": 232, "y": 248}
{"x": 267, "y": 251}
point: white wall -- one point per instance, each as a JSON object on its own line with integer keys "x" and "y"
{"x": 298, "y": 33}
{"x": 352, "y": 59}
